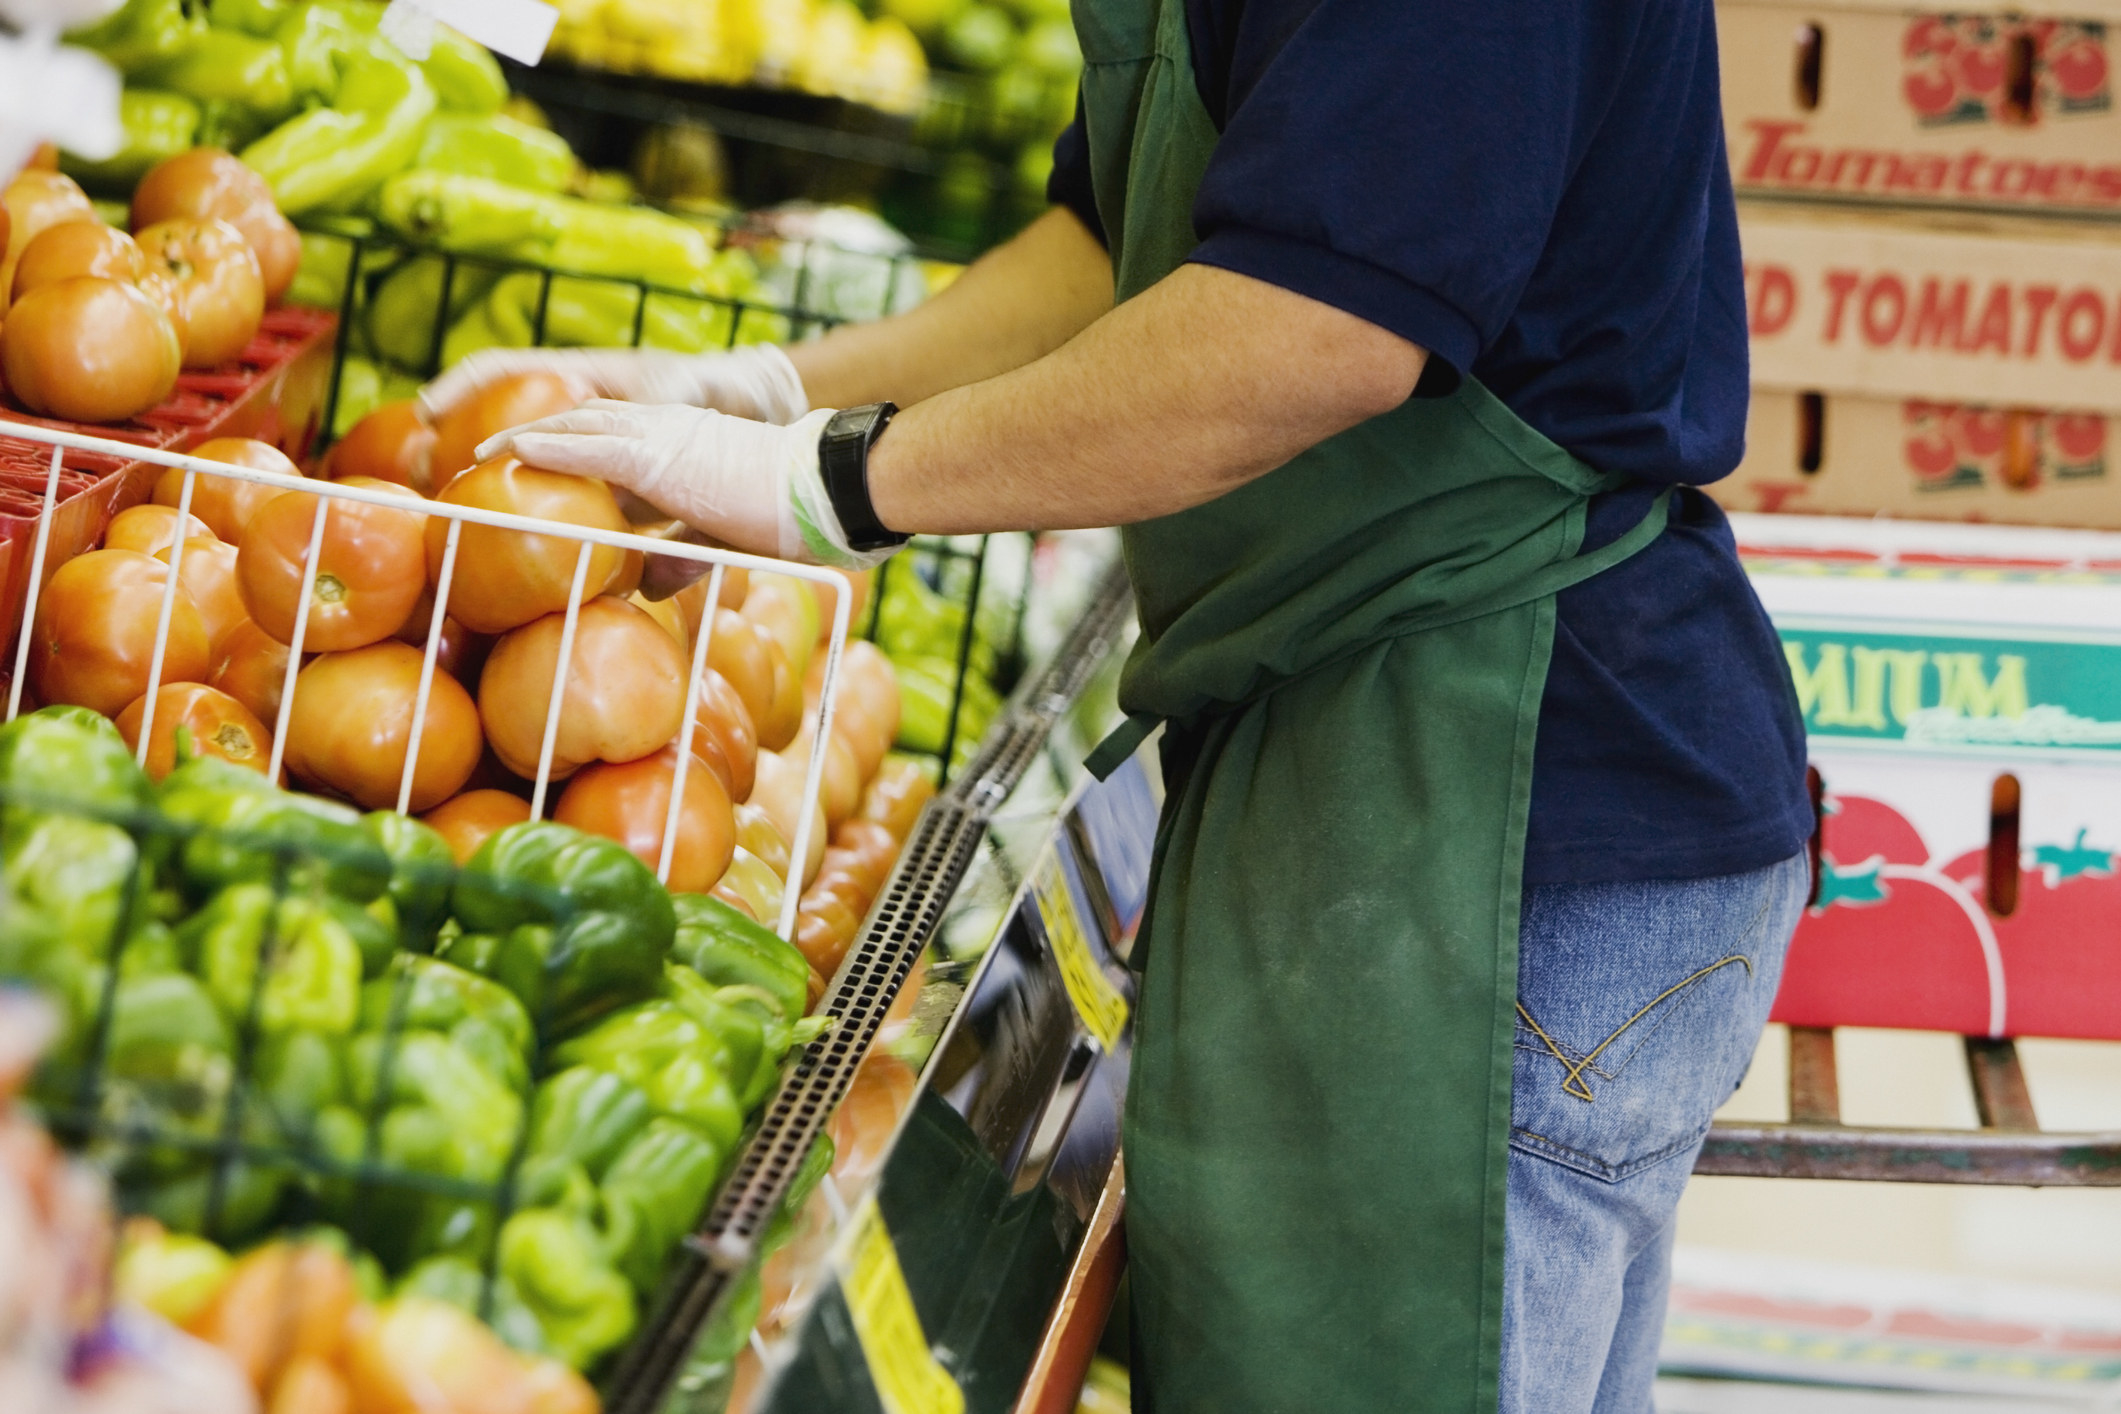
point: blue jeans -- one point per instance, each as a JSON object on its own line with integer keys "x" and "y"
{"x": 1639, "y": 1005}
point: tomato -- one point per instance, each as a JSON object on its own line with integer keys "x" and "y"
{"x": 786, "y": 611}
{"x": 756, "y": 832}
{"x": 353, "y": 716}
{"x": 860, "y": 582}
{"x": 151, "y": 528}
{"x": 840, "y": 788}
{"x": 624, "y": 695}
{"x": 208, "y": 574}
{"x": 215, "y": 725}
{"x": 839, "y": 884}
{"x": 897, "y": 795}
{"x": 739, "y": 654}
{"x": 89, "y": 350}
{"x": 390, "y": 444}
{"x": 506, "y": 578}
{"x": 862, "y": 1126}
{"x": 872, "y": 685}
{"x": 371, "y": 569}
{"x": 783, "y": 719}
{"x": 466, "y": 820}
{"x": 207, "y": 184}
{"x": 723, "y": 736}
{"x": 870, "y": 843}
{"x": 218, "y": 294}
{"x": 95, "y": 632}
{"x": 502, "y": 404}
{"x": 867, "y": 870}
{"x": 752, "y": 886}
{"x": 223, "y": 502}
{"x": 78, "y": 248}
{"x": 630, "y": 801}
{"x": 663, "y": 611}
{"x": 692, "y": 599}
{"x": 250, "y": 665}
{"x": 824, "y": 929}
{"x": 37, "y": 201}
{"x": 462, "y": 654}
{"x": 779, "y": 792}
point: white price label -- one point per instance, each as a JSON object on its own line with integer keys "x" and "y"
{"x": 519, "y": 29}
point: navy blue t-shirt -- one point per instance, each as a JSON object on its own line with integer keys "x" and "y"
{"x": 1537, "y": 194}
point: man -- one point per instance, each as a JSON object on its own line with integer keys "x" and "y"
{"x": 1387, "y": 332}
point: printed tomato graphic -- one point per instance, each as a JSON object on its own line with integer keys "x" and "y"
{"x": 2061, "y": 946}
{"x": 2078, "y": 65}
{"x": 1891, "y": 941}
{"x": 1978, "y": 63}
{"x": 1928, "y": 451}
{"x": 1980, "y": 431}
{"x": 1928, "y": 36}
{"x": 1930, "y": 91}
{"x": 2079, "y": 436}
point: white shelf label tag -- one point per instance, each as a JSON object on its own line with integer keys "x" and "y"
{"x": 519, "y": 29}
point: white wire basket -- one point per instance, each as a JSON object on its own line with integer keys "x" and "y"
{"x": 330, "y": 494}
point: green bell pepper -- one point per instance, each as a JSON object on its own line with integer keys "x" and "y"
{"x": 744, "y": 1020}
{"x": 64, "y": 888}
{"x": 556, "y": 1261}
{"x": 226, "y": 66}
{"x": 295, "y": 1076}
{"x": 678, "y": 1061}
{"x": 310, "y": 960}
{"x": 69, "y": 758}
{"x": 727, "y": 948}
{"x": 583, "y": 1116}
{"x": 458, "y": 1281}
{"x": 157, "y": 126}
{"x": 583, "y": 908}
{"x": 465, "y": 77}
{"x": 246, "y": 831}
{"x": 661, "y": 1180}
{"x": 482, "y": 1018}
{"x": 141, "y": 33}
{"x": 422, "y": 871}
{"x": 332, "y": 158}
{"x": 496, "y": 147}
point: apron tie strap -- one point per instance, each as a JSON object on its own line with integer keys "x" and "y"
{"x": 1121, "y": 742}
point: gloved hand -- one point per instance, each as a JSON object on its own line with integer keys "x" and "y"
{"x": 751, "y": 485}
{"x": 756, "y": 381}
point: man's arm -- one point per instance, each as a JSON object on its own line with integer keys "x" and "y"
{"x": 1017, "y": 303}
{"x": 1203, "y": 382}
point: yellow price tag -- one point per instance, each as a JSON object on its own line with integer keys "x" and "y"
{"x": 908, "y": 1377}
{"x": 1102, "y": 1009}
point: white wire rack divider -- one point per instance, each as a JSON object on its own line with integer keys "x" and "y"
{"x": 329, "y": 492}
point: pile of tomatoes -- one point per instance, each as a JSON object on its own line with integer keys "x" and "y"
{"x": 245, "y": 549}
{"x": 97, "y": 323}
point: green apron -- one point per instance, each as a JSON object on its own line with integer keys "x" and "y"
{"x": 1349, "y": 654}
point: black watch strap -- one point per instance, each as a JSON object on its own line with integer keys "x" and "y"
{"x": 843, "y": 459}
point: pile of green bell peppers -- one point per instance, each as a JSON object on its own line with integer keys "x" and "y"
{"x": 516, "y": 1083}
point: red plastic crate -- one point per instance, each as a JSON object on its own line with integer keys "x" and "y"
{"x": 273, "y": 391}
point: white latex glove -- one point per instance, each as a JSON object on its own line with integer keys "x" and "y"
{"x": 751, "y": 485}
{"x": 756, "y": 381}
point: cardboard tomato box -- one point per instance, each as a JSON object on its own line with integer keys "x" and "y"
{"x": 1931, "y": 662}
{"x": 1883, "y": 102}
{"x": 1920, "y": 459}
{"x": 1953, "y": 308}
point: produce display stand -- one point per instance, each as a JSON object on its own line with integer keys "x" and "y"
{"x": 1014, "y": 909}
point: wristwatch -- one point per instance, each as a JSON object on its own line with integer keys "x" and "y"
{"x": 843, "y": 459}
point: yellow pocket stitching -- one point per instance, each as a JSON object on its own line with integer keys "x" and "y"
{"x": 1572, "y": 1083}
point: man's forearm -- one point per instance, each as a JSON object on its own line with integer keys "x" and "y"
{"x": 1189, "y": 390}
{"x": 1015, "y": 304}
